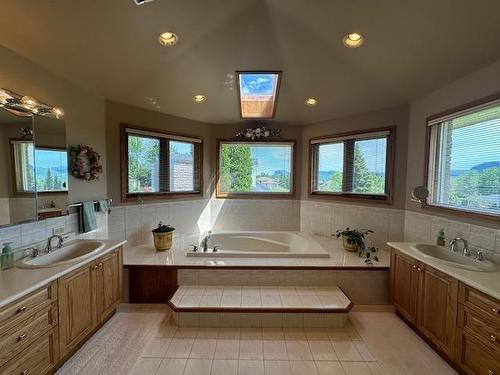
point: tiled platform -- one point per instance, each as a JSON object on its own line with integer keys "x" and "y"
{"x": 260, "y": 306}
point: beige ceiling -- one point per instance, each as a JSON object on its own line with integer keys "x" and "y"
{"x": 110, "y": 47}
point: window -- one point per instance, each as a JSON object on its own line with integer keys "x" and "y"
{"x": 24, "y": 165}
{"x": 257, "y": 168}
{"x": 159, "y": 164}
{"x": 258, "y": 93}
{"x": 354, "y": 165}
{"x": 463, "y": 171}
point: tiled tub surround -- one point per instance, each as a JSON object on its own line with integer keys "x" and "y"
{"x": 424, "y": 229}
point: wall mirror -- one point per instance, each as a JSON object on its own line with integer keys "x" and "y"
{"x": 33, "y": 167}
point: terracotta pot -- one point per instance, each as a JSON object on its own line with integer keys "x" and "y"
{"x": 348, "y": 246}
{"x": 163, "y": 241}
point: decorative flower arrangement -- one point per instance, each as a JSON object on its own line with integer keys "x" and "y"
{"x": 85, "y": 163}
{"x": 259, "y": 132}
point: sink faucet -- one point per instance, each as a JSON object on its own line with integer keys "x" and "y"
{"x": 453, "y": 245}
{"x": 204, "y": 242}
{"x": 48, "y": 247}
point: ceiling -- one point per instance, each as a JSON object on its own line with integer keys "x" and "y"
{"x": 110, "y": 48}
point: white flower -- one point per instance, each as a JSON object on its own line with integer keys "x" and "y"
{"x": 257, "y": 130}
{"x": 266, "y": 133}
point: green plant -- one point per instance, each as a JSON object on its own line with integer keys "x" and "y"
{"x": 353, "y": 236}
{"x": 369, "y": 253}
{"x": 163, "y": 228}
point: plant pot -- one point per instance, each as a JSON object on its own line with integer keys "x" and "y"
{"x": 348, "y": 246}
{"x": 163, "y": 241}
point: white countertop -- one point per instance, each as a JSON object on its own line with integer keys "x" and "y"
{"x": 146, "y": 255}
{"x": 18, "y": 282}
{"x": 486, "y": 282}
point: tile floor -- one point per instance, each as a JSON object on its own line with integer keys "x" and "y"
{"x": 143, "y": 341}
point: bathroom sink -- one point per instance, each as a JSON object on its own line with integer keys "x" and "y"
{"x": 446, "y": 256}
{"x": 72, "y": 252}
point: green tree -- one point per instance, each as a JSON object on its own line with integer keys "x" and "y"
{"x": 57, "y": 184}
{"x": 365, "y": 181}
{"x": 48, "y": 181}
{"x": 142, "y": 153}
{"x": 236, "y": 168}
{"x": 334, "y": 183}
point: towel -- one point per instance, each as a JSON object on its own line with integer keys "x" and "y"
{"x": 88, "y": 220}
{"x": 103, "y": 205}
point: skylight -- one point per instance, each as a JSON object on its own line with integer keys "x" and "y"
{"x": 258, "y": 93}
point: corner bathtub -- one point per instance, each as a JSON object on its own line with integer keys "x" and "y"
{"x": 261, "y": 245}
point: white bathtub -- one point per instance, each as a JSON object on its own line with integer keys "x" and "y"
{"x": 262, "y": 245}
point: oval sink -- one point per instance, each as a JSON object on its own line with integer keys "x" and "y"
{"x": 444, "y": 255}
{"x": 72, "y": 252}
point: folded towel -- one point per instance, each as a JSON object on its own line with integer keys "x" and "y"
{"x": 103, "y": 205}
{"x": 88, "y": 220}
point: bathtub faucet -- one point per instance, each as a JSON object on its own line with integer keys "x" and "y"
{"x": 204, "y": 241}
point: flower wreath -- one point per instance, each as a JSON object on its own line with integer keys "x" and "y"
{"x": 259, "y": 132}
{"x": 85, "y": 163}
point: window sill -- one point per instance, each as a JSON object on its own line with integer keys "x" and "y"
{"x": 134, "y": 197}
{"x": 456, "y": 211}
{"x": 379, "y": 199}
{"x": 255, "y": 196}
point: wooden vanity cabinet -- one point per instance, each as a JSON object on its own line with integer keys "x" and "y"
{"x": 404, "y": 285}
{"x": 87, "y": 297}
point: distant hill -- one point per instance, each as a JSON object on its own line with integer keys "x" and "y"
{"x": 486, "y": 165}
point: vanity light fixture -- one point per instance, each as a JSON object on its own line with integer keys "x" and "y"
{"x": 198, "y": 99}
{"x": 25, "y": 104}
{"x": 168, "y": 39}
{"x": 353, "y": 40}
{"x": 4, "y": 96}
{"x": 58, "y": 112}
{"x": 311, "y": 102}
{"x": 29, "y": 102}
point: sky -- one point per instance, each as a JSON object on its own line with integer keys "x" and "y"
{"x": 257, "y": 84}
{"x": 51, "y": 158}
{"x": 272, "y": 158}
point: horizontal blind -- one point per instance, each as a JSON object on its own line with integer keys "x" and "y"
{"x": 163, "y": 135}
{"x": 480, "y": 113}
{"x": 377, "y": 134}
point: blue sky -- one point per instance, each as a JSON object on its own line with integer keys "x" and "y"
{"x": 257, "y": 84}
{"x": 50, "y": 158}
{"x": 272, "y": 158}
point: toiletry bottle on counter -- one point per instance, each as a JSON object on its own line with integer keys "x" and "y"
{"x": 441, "y": 241}
{"x": 7, "y": 258}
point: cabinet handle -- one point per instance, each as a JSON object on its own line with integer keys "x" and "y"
{"x": 24, "y": 372}
{"x": 94, "y": 267}
{"x": 414, "y": 266}
{"x": 100, "y": 265}
{"x": 21, "y": 309}
{"x": 21, "y": 337}
{"x": 494, "y": 311}
{"x": 491, "y": 371}
{"x": 419, "y": 269}
{"x": 493, "y": 338}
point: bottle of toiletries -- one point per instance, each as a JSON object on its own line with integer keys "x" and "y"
{"x": 7, "y": 256}
{"x": 441, "y": 240}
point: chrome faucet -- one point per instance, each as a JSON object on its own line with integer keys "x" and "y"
{"x": 60, "y": 240}
{"x": 204, "y": 242}
{"x": 453, "y": 245}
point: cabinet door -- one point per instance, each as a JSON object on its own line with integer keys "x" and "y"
{"x": 404, "y": 280}
{"x": 77, "y": 317}
{"x": 437, "y": 308}
{"x": 107, "y": 284}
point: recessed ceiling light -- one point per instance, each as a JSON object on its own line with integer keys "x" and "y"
{"x": 198, "y": 99}
{"x": 168, "y": 39}
{"x": 311, "y": 102}
{"x": 353, "y": 40}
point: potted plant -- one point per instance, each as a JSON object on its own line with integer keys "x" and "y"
{"x": 353, "y": 239}
{"x": 162, "y": 236}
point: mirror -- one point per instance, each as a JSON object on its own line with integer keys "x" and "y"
{"x": 33, "y": 167}
{"x": 419, "y": 194}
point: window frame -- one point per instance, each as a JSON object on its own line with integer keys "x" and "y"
{"x": 449, "y": 112}
{"x": 54, "y": 192}
{"x": 279, "y": 73}
{"x": 350, "y": 196}
{"x": 132, "y": 197}
{"x": 223, "y": 195}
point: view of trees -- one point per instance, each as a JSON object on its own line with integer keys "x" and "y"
{"x": 476, "y": 188}
{"x": 50, "y": 182}
{"x": 143, "y": 156}
{"x": 236, "y": 168}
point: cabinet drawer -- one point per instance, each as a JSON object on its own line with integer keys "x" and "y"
{"x": 477, "y": 300}
{"x": 39, "y": 358}
{"x": 25, "y": 332}
{"x": 476, "y": 358}
{"x": 19, "y": 310}
{"x": 485, "y": 329}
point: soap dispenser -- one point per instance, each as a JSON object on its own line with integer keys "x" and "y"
{"x": 7, "y": 258}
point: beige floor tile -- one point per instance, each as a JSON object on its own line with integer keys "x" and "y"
{"x": 227, "y": 349}
{"x": 363, "y": 350}
{"x": 330, "y": 368}
{"x": 203, "y": 348}
{"x": 277, "y": 368}
{"x": 316, "y": 334}
{"x": 146, "y": 366}
{"x": 248, "y": 367}
{"x": 294, "y": 334}
{"x": 198, "y": 367}
{"x": 171, "y": 367}
{"x": 298, "y": 350}
{"x": 375, "y": 368}
{"x": 303, "y": 368}
{"x": 208, "y": 333}
{"x": 339, "y": 335}
{"x": 157, "y": 347}
{"x": 179, "y": 348}
{"x": 273, "y": 334}
{"x": 224, "y": 367}
{"x": 356, "y": 368}
{"x": 186, "y": 332}
{"x": 251, "y": 349}
{"x": 346, "y": 351}
{"x": 275, "y": 350}
{"x": 229, "y": 333}
{"x": 322, "y": 350}
{"x": 251, "y": 333}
